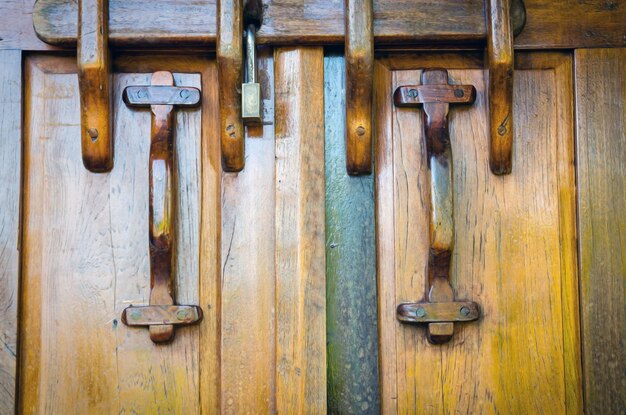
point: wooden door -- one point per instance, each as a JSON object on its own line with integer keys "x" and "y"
{"x": 514, "y": 247}
{"x": 250, "y": 250}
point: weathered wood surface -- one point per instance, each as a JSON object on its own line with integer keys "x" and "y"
{"x": 359, "y": 54}
{"x": 248, "y": 269}
{"x": 500, "y": 91}
{"x": 229, "y": 51}
{"x": 10, "y": 162}
{"x": 601, "y": 151}
{"x": 514, "y": 249}
{"x": 94, "y": 83}
{"x": 549, "y": 24}
{"x": 85, "y": 253}
{"x": 350, "y": 265}
{"x": 300, "y": 246}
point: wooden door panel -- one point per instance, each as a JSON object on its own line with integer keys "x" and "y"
{"x": 85, "y": 255}
{"x": 514, "y": 249}
{"x": 250, "y": 250}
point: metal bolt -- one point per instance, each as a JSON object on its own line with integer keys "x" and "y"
{"x": 420, "y": 312}
{"x": 465, "y": 311}
{"x": 93, "y": 133}
{"x": 182, "y": 314}
{"x": 459, "y": 93}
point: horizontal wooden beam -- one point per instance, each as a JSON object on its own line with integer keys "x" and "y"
{"x": 550, "y": 24}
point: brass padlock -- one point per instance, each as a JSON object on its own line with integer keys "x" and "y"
{"x": 251, "y": 110}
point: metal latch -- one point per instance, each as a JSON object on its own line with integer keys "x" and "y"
{"x": 161, "y": 315}
{"x": 251, "y": 111}
{"x": 441, "y": 310}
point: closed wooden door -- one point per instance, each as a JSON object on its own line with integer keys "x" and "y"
{"x": 298, "y": 267}
{"x": 249, "y": 250}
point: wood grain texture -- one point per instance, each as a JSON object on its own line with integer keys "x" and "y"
{"x": 359, "y": 54}
{"x": 10, "y": 166}
{"x": 248, "y": 286}
{"x": 300, "y": 260}
{"x": 352, "y": 351}
{"x": 549, "y": 24}
{"x": 85, "y": 252}
{"x": 500, "y": 64}
{"x": 601, "y": 151}
{"x": 94, "y": 83}
{"x": 514, "y": 250}
{"x": 229, "y": 52}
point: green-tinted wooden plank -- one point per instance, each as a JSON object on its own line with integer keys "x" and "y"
{"x": 350, "y": 265}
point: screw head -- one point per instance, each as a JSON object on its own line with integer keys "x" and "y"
{"x": 413, "y": 93}
{"x": 182, "y": 314}
{"x": 465, "y": 311}
{"x": 420, "y": 312}
{"x": 459, "y": 93}
{"x": 184, "y": 93}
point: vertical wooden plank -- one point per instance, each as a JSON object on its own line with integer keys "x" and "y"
{"x": 10, "y": 164}
{"x": 601, "y": 150}
{"x": 248, "y": 287}
{"x": 209, "y": 289}
{"x": 385, "y": 248}
{"x": 300, "y": 259}
{"x": 68, "y": 320}
{"x": 350, "y": 265}
{"x": 514, "y": 251}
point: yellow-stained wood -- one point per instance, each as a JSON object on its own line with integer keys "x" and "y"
{"x": 300, "y": 249}
{"x": 601, "y": 150}
{"x": 248, "y": 288}
{"x": 514, "y": 248}
{"x": 85, "y": 253}
{"x": 10, "y": 160}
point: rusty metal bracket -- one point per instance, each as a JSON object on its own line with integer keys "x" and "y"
{"x": 359, "y": 22}
{"x": 441, "y": 310}
{"x": 500, "y": 63}
{"x": 94, "y": 84}
{"x": 161, "y": 315}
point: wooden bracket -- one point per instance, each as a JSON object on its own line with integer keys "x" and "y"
{"x": 230, "y": 74}
{"x": 359, "y": 77}
{"x": 441, "y": 310}
{"x": 161, "y": 315}
{"x": 500, "y": 63}
{"x": 229, "y": 49}
{"x": 94, "y": 83}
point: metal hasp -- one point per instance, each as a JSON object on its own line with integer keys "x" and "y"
{"x": 94, "y": 84}
{"x": 441, "y": 310}
{"x": 251, "y": 110}
{"x": 161, "y": 315}
{"x": 359, "y": 21}
{"x": 500, "y": 63}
